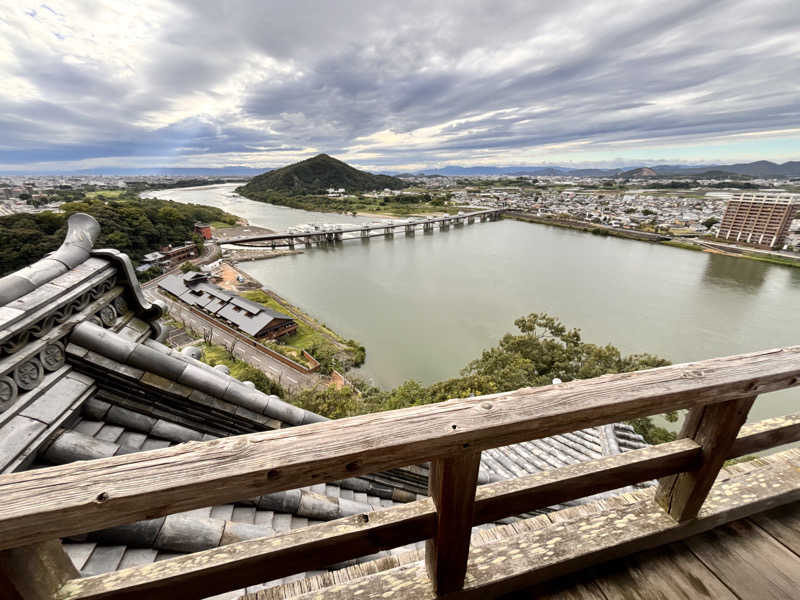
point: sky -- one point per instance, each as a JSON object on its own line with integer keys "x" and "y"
{"x": 397, "y": 85}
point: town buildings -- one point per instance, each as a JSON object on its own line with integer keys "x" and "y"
{"x": 759, "y": 219}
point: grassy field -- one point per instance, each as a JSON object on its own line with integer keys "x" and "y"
{"x": 107, "y": 194}
{"x": 305, "y": 337}
{"x": 217, "y": 355}
{"x": 220, "y": 224}
{"x": 684, "y": 245}
{"x": 326, "y": 346}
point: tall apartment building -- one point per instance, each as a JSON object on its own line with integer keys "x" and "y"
{"x": 759, "y": 219}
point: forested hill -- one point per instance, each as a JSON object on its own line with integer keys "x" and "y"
{"x": 314, "y": 176}
{"x": 130, "y": 224}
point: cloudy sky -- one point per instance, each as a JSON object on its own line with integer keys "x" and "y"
{"x": 397, "y": 85}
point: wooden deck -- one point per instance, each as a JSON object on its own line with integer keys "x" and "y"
{"x": 752, "y": 559}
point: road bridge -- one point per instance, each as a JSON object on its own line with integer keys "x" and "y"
{"x": 329, "y": 235}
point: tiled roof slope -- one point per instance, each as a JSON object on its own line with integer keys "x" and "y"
{"x": 83, "y": 375}
{"x": 194, "y": 290}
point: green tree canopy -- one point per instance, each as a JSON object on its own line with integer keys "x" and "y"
{"x": 543, "y": 350}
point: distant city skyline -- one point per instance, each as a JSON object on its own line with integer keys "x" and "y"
{"x": 390, "y": 87}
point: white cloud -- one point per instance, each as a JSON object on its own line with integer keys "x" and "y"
{"x": 203, "y": 82}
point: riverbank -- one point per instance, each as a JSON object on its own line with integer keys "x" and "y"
{"x": 328, "y": 347}
{"x": 243, "y": 229}
{"x": 644, "y": 236}
{"x": 602, "y": 230}
{"x": 422, "y": 203}
{"x": 241, "y": 255}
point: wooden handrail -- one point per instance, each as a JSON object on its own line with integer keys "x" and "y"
{"x": 65, "y": 500}
{"x": 85, "y": 496}
{"x": 254, "y": 561}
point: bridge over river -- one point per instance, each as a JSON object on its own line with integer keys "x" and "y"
{"x": 327, "y": 234}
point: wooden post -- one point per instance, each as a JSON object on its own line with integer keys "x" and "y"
{"x": 452, "y": 486}
{"x": 34, "y": 572}
{"x": 714, "y": 427}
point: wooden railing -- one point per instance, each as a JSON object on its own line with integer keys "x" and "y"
{"x": 40, "y": 506}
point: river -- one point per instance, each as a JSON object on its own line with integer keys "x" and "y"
{"x": 425, "y": 306}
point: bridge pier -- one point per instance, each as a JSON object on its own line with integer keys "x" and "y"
{"x": 332, "y": 235}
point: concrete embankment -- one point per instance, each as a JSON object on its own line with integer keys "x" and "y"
{"x": 242, "y": 255}
{"x": 593, "y": 228}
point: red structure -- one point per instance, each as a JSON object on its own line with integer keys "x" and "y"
{"x": 203, "y": 229}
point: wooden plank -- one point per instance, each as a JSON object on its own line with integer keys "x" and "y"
{"x": 668, "y": 572}
{"x": 539, "y": 555}
{"x": 749, "y": 561}
{"x": 34, "y": 572}
{"x": 452, "y": 487}
{"x": 245, "y": 563}
{"x": 715, "y": 428}
{"x": 572, "y": 588}
{"x": 783, "y": 524}
{"x": 85, "y": 496}
{"x": 755, "y": 437}
{"x": 540, "y": 490}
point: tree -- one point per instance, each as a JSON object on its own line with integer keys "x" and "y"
{"x": 189, "y": 266}
{"x": 710, "y": 222}
{"x": 543, "y": 350}
{"x": 199, "y": 242}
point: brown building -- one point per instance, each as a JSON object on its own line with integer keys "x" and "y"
{"x": 179, "y": 254}
{"x": 759, "y": 219}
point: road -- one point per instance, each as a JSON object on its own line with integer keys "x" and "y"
{"x": 238, "y": 346}
{"x": 209, "y": 254}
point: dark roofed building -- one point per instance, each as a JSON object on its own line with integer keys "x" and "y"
{"x": 84, "y": 375}
{"x": 250, "y": 317}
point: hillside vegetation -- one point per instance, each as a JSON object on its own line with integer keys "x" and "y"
{"x": 128, "y": 223}
{"x": 314, "y": 176}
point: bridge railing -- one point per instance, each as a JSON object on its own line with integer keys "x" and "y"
{"x": 42, "y": 505}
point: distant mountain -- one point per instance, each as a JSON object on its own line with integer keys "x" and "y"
{"x": 765, "y": 168}
{"x": 456, "y": 171}
{"x": 314, "y": 176}
{"x": 640, "y": 172}
{"x": 718, "y": 174}
{"x": 762, "y": 168}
